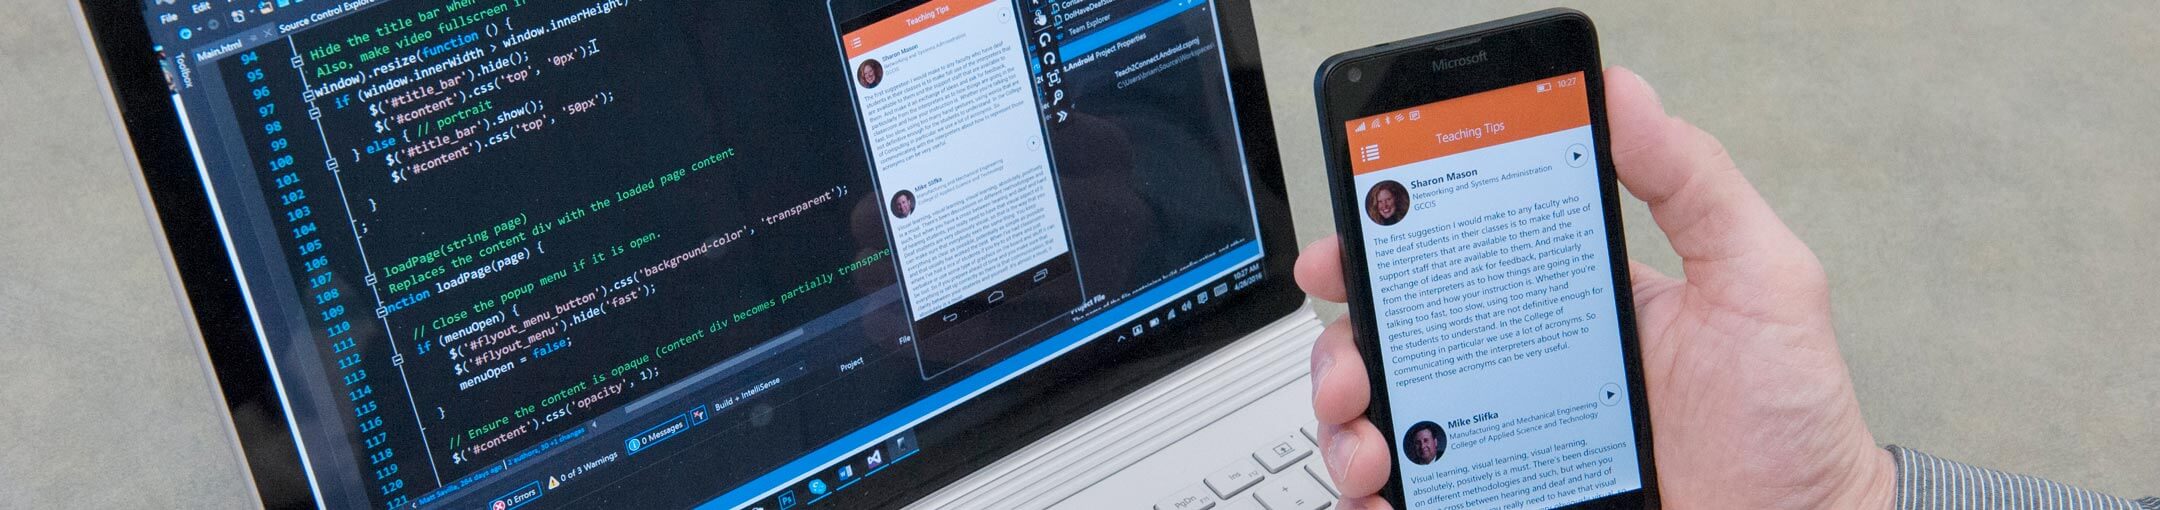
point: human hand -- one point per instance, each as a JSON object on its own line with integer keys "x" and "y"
{"x": 1751, "y": 404}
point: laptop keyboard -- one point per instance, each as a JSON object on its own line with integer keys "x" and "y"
{"x": 1283, "y": 474}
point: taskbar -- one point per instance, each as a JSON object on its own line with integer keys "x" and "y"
{"x": 854, "y": 468}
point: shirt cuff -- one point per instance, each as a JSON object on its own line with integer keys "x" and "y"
{"x": 1926, "y": 482}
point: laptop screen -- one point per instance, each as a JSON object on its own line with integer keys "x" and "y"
{"x": 713, "y": 254}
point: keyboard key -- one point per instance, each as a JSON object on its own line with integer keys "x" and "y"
{"x": 1293, "y": 493}
{"x": 1235, "y": 478}
{"x": 1320, "y": 474}
{"x": 1280, "y": 454}
{"x": 1308, "y": 434}
{"x": 1244, "y": 503}
{"x": 1192, "y": 498}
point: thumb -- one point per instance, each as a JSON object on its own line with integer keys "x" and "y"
{"x": 1727, "y": 237}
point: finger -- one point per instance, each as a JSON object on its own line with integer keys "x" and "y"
{"x": 1319, "y": 270}
{"x": 1340, "y": 387}
{"x": 1357, "y": 457}
{"x": 1712, "y": 215}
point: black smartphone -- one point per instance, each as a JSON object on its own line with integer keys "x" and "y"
{"x": 1478, "y": 208}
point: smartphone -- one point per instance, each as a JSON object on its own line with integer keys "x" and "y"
{"x": 1475, "y": 195}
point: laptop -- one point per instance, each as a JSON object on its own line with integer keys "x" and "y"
{"x": 659, "y": 254}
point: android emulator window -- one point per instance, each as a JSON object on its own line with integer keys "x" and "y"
{"x": 675, "y": 253}
{"x": 1487, "y": 250}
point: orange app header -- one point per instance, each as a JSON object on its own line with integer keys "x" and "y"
{"x": 1468, "y": 123}
{"x": 898, "y": 27}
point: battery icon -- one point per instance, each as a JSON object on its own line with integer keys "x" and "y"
{"x": 1544, "y": 87}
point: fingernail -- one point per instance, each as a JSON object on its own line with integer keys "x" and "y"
{"x": 1345, "y": 447}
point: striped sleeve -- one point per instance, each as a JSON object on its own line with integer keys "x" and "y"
{"x": 1926, "y": 482}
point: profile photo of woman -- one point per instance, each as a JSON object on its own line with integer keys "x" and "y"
{"x": 1387, "y": 203}
{"x": 870, "y": 74}
{"x": 903, "y": 204}
{"x": 1424, "y": 443}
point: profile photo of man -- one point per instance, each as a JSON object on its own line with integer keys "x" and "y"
{"x": 1387, "y": 203}
{"x": 903, "y": 204}
{"x": 870, "y": 74}
{"x": 1424, "y": 443}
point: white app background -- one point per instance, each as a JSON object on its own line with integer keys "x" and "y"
{"x": 1510, "y": 344}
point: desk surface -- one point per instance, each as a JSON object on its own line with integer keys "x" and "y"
{"x": 1975, "y": 174}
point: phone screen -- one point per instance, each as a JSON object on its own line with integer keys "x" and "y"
{"x": 946, "y": 95}
{"x": 1487, "y": 253}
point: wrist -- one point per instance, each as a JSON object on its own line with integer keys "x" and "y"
{"x": 1871, "y": 483}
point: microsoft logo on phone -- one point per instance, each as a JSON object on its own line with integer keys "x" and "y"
{"x": 1451, "y": 63}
